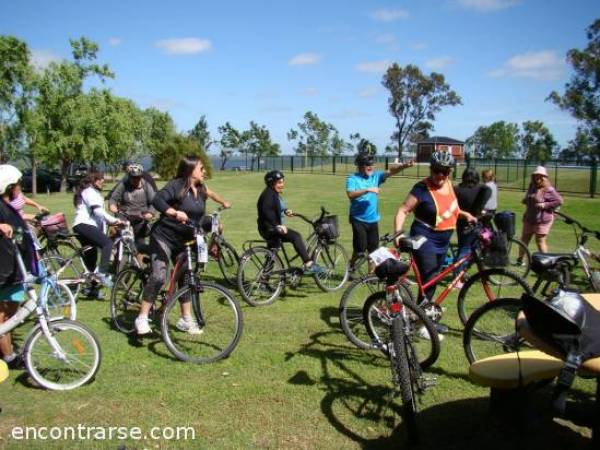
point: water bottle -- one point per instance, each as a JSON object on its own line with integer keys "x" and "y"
{"x": 202, "y": 250}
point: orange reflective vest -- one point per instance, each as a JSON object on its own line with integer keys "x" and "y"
{"x": 446, "y": 207}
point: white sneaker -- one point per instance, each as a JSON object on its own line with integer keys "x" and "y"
{"x": 142, "y": 325}
{"x": 188, "y": 325}
{"x": 424, "y": 333}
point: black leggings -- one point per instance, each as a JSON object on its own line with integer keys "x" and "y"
{"x": 275, "y": 239}
{"x": 91, "y": 235}
{"x": 365, "y": 236}
{"x": 429, "y": 265}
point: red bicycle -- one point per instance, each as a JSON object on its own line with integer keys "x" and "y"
{"x": 479, "y": 288}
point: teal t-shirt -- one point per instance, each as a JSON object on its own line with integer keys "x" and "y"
{"x": 365, "y": 208}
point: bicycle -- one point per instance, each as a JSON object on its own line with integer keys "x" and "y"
{"x": 222, "y": 251}
{"x": 484, "y": 286}
{"x": 396, "y": 325}
{"x": 262, "y": 274}
{"x": 216, "y": 311}
{"x": 59, "y": 354}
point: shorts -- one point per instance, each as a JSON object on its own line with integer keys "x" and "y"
{"x": 539, "y": 229}
{"x": 12, "y": 293}
{"x": 365, "y": 236}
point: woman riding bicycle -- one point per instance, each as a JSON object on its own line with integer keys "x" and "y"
{"x": 132, "y": 197}
{"x": 11, "y": 291}
{"x": 90, "y": 225}
{"x": 182, "y": 200}
{"x": 271, "y": 212}
{"x": 436, "y": 213}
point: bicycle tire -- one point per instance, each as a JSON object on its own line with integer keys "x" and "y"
{"x": 80, "y": 346}
{"x": 403, "y": 378}
{"x": 255, "y": 283}
{"x": 490, "y": 330}
{"x": 218, "y": 315}
{"x": 487, "y": 285}
{"x": 60, "y": 302}
{"x": 126, "y": 297}
{"x": 351, "y": 310}
{"x": 228, "y": 262}
{"x": 378, "y": 323}
{"x": 334, "y": 259}
{"x": 71, "y": 275}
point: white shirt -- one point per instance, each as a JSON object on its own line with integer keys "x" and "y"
{"x": 91, "y": 210}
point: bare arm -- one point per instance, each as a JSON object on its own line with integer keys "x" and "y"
{"x": 355, "y": 194}
{"x": 395, "y": 168}
{"x": 36, "y": 205}
{"x": 215, "y": 197}
{"x": 404, "y": 210}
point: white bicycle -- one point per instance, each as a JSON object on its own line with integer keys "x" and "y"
{"x": 59, "y": 354}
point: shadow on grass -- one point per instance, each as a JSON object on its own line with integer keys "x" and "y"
{"x": 370, "y": 415}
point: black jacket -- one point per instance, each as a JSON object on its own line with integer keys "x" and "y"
{"x": 471, "y": 199}
{"x": 269, "y": 211}
{"x": 9, "y": 271}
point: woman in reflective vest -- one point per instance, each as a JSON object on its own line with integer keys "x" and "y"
{"x": 436, "y": 210}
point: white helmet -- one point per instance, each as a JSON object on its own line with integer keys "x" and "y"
{"x": 8, "y": 175}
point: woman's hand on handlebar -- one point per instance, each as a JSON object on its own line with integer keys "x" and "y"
{"x": 469, "y": 217}
{"x": 6, "y": 230}
{"x": 181, "y": 217}
{"x": 226, "y": 204}
{"x": 288, "y": 212}
{"x": 399, "y": 235}
{"x": 281, "y": 229}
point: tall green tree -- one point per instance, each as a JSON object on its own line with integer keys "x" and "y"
{"x": 230, "y": 142}
{"x": 537, "y": 142}
{"x": 201, "y": 133}
{"x": 257, "y": 142}
{"x": 582, "y": 93}
{"x": 315, "y": 137}
{"x": 174, "y": 149}
{"x": 415, "y": 99}
{"x": 498, "y": 140}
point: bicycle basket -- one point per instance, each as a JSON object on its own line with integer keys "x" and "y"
{"x": 505, "y": 222}
{"x": 54, "y": 225}
{"x": 327, "y": 228}
{"x": 494, "y": 249}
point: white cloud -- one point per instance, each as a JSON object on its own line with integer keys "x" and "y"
{"x": 304, "y": 59}
{"x": 310, "y": 92}
{"x": 487, "y": 5}
{"x": 368, "y": 92}
{"x": 387, "y": 38}
{"x": 184, "y": 46}
{"x": 41, "y": 59}
{"x": 439, "y": 63}
{"x": 348, "y": 114}
{"x": 114, "y": 41}
{"x": 373, "y": 66}
{"x": 389, "y": 15}
{"x": 542, "y": 65}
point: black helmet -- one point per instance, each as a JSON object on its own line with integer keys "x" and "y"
{"x": 363, "y": 160}
{"x": 441, "y": 159}
{"x": 273, "y": 176}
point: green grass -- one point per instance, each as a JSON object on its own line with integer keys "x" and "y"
{"x": 294, "y": 381}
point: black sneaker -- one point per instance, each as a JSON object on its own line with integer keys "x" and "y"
{"x": 441, "y": 328}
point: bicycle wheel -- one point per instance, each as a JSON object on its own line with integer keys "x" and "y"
{"x": 69, "y": 359}
{"x": 486, "y": 286}
{"x": 71, "y": 276}
{"x": 126, "y": 299}
{"x": 219, "y": 318}
{"x": 490, "y": 330}
{"x": 403, "y": 377}
{"x": 228, "y": 261}
{"x": 260, "y": 277}
{"x": 333, "y": 258}
{"x": 351, "y": 310}
{"x": 420, "y": 329}
{"x": 60, "y": 301}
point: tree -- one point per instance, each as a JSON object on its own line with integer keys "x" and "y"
{"x": 172, "y": 152}
{"x": 415, "y": 99}
{"x": 537, "y": 143}
{"x": 201, "y": 134}
{"x": 499, "y": 140}
{"x": 578, "y": 148}
{"x": 316, "y": 137}
{"x": 16, "y": 84}
{"x": 582, "y": 93}
{"x": 257, "y": 141}
{"x": 231, "y": 140}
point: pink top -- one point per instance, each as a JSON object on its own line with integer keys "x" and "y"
{"x": 18, "y": 204}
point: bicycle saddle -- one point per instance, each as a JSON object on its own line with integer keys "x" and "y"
{"x": 407, "y": 244}
{"x": 541, "y": 261}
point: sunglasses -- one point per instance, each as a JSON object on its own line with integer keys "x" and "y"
{"x": 441, "y": 170}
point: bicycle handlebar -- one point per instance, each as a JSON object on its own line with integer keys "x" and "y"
{"x": 324, "y": 212}
{"x": 387, "y": 238}
{"x": 570, "y": 221}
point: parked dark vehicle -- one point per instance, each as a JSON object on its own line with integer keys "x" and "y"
{"x": 46, "y": 180}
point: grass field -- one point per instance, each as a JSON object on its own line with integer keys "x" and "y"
{"x": 294, "y": 381}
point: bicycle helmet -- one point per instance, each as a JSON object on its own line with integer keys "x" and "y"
{"x": 135, "y": 170}
{"x": 363, "y": 160}
{"x": 442, "y": 159}
{"x": 273, "y": 176}
{"x": 9, "y": 175}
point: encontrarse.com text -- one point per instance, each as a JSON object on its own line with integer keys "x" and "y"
{"x": 85, "y": 432}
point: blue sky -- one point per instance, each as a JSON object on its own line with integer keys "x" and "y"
{"x": 271, "y": 61}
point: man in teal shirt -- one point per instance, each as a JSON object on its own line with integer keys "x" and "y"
{"x": 362, "y": 189}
